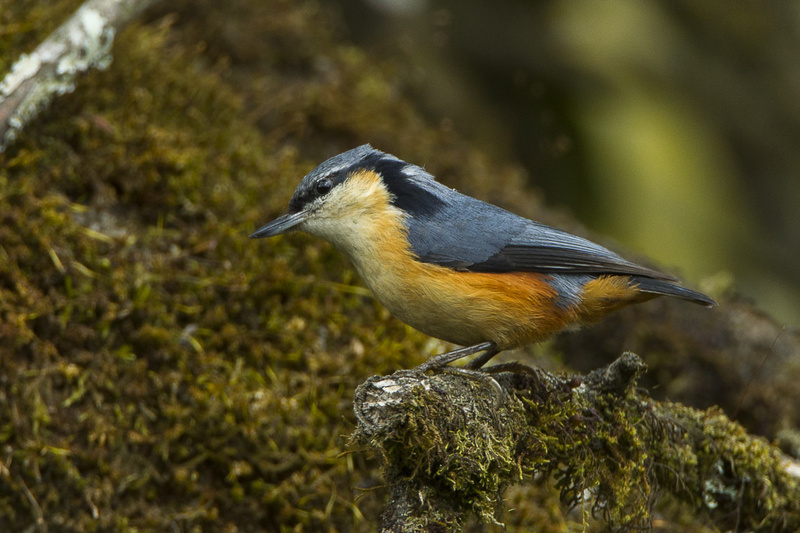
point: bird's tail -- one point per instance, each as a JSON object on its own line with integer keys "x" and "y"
{"x": 667, "y": 288}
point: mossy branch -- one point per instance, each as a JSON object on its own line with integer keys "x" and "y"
{"x": 451, "y": 447}
{"x": 82, "y": 42}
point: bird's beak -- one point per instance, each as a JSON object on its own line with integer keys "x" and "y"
{"x": 280, "y": 225}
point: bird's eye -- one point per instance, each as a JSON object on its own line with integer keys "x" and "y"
{"x": 324, "y": 186}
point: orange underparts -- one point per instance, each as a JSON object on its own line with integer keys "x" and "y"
{"x": 520, "y": 308}
{"x": 510, "y": 309}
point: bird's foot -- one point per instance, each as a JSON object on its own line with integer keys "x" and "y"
{"x": 441, "y": 362}
{"x": 443, "y": 359}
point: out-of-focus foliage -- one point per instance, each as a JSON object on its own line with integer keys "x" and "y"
{"x": 670, "y": 126}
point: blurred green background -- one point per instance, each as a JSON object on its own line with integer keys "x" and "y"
{"x": 671, "y": 127}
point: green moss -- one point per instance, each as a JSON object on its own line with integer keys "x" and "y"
{"x": 721, "y": 469}
{"x": 609, "y": 450}
{"x": 158, "y": 367}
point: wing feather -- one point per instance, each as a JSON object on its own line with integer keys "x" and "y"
{"x": 466, "y": 234}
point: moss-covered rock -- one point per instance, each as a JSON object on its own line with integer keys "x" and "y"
{"x": 452, "y": 444}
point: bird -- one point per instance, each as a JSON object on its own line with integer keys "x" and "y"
{"x": 457, "y": 268}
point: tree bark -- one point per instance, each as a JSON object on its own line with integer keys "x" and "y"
{"x": 82, "y": 42}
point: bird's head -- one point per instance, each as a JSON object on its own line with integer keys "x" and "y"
{"x": 352, "y": 190}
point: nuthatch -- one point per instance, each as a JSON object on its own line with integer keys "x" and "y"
{"x": 457, "y": 268}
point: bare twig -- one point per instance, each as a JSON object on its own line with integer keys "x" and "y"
{"x": 82, "y": 42}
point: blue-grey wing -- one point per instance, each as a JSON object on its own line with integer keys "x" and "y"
{"x": 466, "y": 234}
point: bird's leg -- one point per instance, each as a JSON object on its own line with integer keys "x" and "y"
{"x": 444, "y": 359}
{"x": 478, "y": 362}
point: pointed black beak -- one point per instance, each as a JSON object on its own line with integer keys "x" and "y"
{"x": 280, "y": 225}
